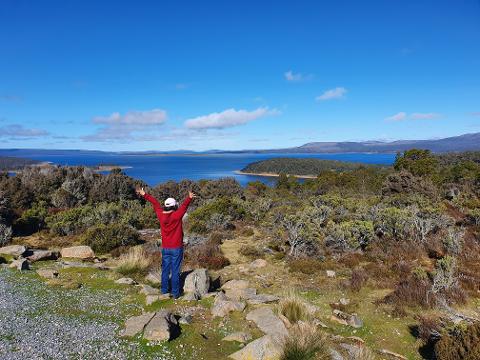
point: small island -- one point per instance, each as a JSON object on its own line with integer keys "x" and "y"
{"x": 303, "y": 168}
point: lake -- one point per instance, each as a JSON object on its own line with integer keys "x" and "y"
{"x": 154, "y": 169}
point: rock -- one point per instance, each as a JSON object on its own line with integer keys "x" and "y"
{"x": 43, "y": 255}
{"x": 262, "y": 299}
{"x": 264, "y": 348}
{"x": 331, "y": 273}
{"x": 356, "y": 339}
{"x": 317, "y": 322}
{"x": 154, "y": 277}
{"x": 223, "y": 305}
{"x": 237, "y": 294}
{"x": 285, "y": 321}
{"x": 191, "y": 297}
{"x": 241, "y": 337}
{"x": 47, "y": 273}
{"x": 163, "y": 326}
{"x": 186, "y": 319}
{"x": 20, "y": 264}
{"x": 150, "y": 299}
{"x": 391, "y": 353}
{"x": 344, "y": 301}
{"x": 235, "y": 285}
{"x": 13, "y": 250}
{"x": 136, "y": 324}
{"x": 347, "y": 319}
{"x": 78, "y": 252}
{"x": 197, "y": 282}
{"x": 267, "y": 321}
{"x": 125, "y": 281}
{"x": 338, "y": 320}
{"x": 259, "y": 263}
{"x": 335, "y": 355}
{"x": 148, "y": 290}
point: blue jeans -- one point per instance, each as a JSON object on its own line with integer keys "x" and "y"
{"x": 171, "y": 263}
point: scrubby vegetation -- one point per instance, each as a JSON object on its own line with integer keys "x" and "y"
{"x": 411, "y": 231}
{"x": 14, "y": 163}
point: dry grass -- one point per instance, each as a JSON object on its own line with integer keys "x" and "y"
{"x": 294, "y": 308}
{"x": 135, "y": 261}
{"x": 305, "y": 342}
{"x": 362, "y": 353}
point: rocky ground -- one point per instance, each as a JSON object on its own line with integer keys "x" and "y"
{"x": 42, "y": 322}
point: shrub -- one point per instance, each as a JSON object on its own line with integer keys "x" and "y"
{"x": 305, "y": 342}
{"x": 207, "y": 255}
{"x": 215, "y": 215}
{"x": 350, "y": 235}
{"x": 412, "y": 291}
{"x": 5, "y": 234}
{"x": 104, "y": 238}
{"x": 32, "y": 220}
{"x": 418, "y": 162}
{"x": 305, "y": 266}
{"x": 135, "y": 261}
{"x": 358, "y": 279}
{"x": 251, "y": 252}
{"x": 293, "y": 308}
{"x": 461, "y": 343}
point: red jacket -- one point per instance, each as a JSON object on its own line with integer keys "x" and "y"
{"x": 170, "y": 223}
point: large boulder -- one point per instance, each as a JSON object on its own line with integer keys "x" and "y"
{"x": 20, "y": 264}
{"x": 162, "y": 327}
{"x": 264, "y": 348}
{"x": 223, "y": 305}
{"x": 346, "y": 319}
{"x": 154, "y": 278}
{"x": 78, "y": 252}
{"x": 237, "y": 294}
{"x": 43, "y": 255}
{"x": 262, "y": 299}
{"x": 148, "y": 290}
{"x": 236, "y": 285}
{"x": 136, "y": 324}
{"x": 47, "y": 273}
{"x": 267, "y": 321}
{"x": 197, "y": 283}
{"x": 13, "y": 250}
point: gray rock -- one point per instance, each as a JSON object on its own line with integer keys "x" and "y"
{"x": 186, "y": 319}
{"x": 136, "y": 324}
{"x": 347, "y": 319}
{"x": 259, "y": 263}
{"x": 241, "y": 337}
{"x": 331, "y": 273}
{"x": 161, "y": 327}
{"x": 335, "y": 355}
{"x": 20, "y": 264}
{"x": 148, "y": 290}
{"x": 13, "y": 250}
{"x": 264, "y": 348}
{"x": 223, "y": 305}
{"x": 262, "y": 299}
{"x": 77, "y": 252}
{"x": 267, "y": 321}
{"x": 240, "y": 293}
{"x": 150, "y": 299}
{"x": 39, "y": 255}
{"x": 191, "y": 297}
{"x": 48, "y": 273}
{"x": 125, "y": 281}
{"x": 154, "y": 277}
{"x": 197, "y": 282}
{"x": 235, "y": 285}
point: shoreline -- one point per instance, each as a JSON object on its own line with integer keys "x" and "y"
{"x": 240, "y": 172}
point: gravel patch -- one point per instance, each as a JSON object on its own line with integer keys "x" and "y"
{"x": 42, "y": 322}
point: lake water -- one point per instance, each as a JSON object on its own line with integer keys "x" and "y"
{"x": 157, "y": 169}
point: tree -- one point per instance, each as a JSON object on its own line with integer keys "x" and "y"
{"x": 418, "y": 162}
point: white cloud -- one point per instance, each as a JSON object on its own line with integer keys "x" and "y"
{"x": 336, "y": 93}
{"x": 401, "y": 116}
{"x": 424, "y": 116}
{"x": 397, "y": 117}
{"x": 119, "y": 127}
{"x": 290, "y": 76}
{"x": 228, "y": 118}
{"x": 149, "y": 117}
{"x": 18, "y": 131}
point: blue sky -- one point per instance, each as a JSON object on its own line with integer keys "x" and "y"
{"x": 141, "y": 75}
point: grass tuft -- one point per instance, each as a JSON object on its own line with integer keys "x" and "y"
{"x": 135, "y": 262}
{"x": 305, "y": 342}
{"x": 294, "y": 308}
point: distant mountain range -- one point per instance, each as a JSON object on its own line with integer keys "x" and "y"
{"x": 466, "y": 142}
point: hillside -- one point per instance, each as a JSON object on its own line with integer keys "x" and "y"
{"x": 294, "y": 166}
{"x": 14, "y": 163}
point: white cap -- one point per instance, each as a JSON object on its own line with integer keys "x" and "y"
{"x": 170, "y": 202}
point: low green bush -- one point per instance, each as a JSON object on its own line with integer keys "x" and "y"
{"x": 104, "y": 238}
